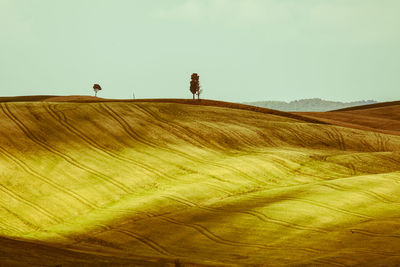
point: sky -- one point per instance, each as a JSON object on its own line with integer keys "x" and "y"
{"x": 243, "y": 50}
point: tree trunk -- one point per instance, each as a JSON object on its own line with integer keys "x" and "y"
{"x": 193, "y": 97}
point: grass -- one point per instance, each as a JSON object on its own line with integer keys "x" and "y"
{"x": 199, "y": 183}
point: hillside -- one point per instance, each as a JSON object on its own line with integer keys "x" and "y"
{"x": 377, "y": 105}
{"x": 313, "y": 104}
{"x": 130, "y": 183}
{"x": 381, "y": 117}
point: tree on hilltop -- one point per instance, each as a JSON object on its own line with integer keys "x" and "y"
{"x": 96, "y": 88}
{"x": 195, "y": 85}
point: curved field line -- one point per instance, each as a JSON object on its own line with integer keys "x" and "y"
{"x": 368, "y": 233}
{"x": 334, "y": 136}
{"x": 298, "y": 169}
{"x": 28, "y": 203}
{"x": 385, "y": 140}
{"x": 218, "y": 188}
{"x": 125, "y": 125}
{"x": 46, "y": 180}
{"x": 23, "y": 200}
{"x": 150, "y": 243}
{"x": 4, "y": 231}
{"x": 130, "y": 132}
{"x": 310, "y": 136}
{"x": 98, "y": 147}
{"x": 189, "y": 133}
{"x": 329, "y": 262}
{"x": 393, "y": 179}
{"x": 10, "y": 228}
{"x": 388, "y": 158}
{"x": 67, "y": 158}
{"x": 133, "y": 135}
{"x": 340, "y": 138}
{"x": 23, "y": 220}
{"x": 369, "y": 193}
{"x": 315, "y": 203}
{"x": 376, "y": 252}
{"x": 267, "y": 139}
{"x": 239, "y": 137}
{"x": 380, "y": 142}
{"x": 196, "y": 159}
{"x": 252, "y": 213}
{"x": 291, "y": 170}
{"x": 352, "y": 168}
{"x": 294, "y": 133}
{"x": 184, "y": 130}
{"x": 367, "y": 145}
{"x": 207, "y": 233}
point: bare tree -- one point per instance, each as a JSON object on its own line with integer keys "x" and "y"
{"x": 96, "y": 88}
{"x": 194, "y": 84}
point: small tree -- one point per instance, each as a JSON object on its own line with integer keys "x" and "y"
{"x": 194, "y": 84}
{"x": 96, "y": 88}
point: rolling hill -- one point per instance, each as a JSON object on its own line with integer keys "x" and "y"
{"x": 380, "y": 117}
{"x": 212, "y": 184}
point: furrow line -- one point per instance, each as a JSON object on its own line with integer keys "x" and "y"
{"x": 146, "y": 241}
{"x": 21, "y": 219}
{"x": 11, "y": 228}
{"x": 252, "y": 213}
{"x": 177, "y": 125}
{"x": 100, "y": 148}
{"x": 189, "y": 133}
{"x": 125, "y": 125}
{"x": 368, "y": 146}
{"x": 340, "y": 138}
{"x": 66, "y": 157}
{"x": 297, "y": 135}
{"x": 48, "y": 181}
{"x": 368, "y": 233}
{"x": 207, "y": 233}
{"x": 189, "y": 157}
{"x": 329, "y": 262}
{"x": 369, "y": 193}
{"x": 28, "y": 203}
{"x": 308, "y": 201}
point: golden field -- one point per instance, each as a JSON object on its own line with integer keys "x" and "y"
{"x": 150, "y": 183}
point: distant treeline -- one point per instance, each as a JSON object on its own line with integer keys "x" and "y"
{"x": 313, "y": 104}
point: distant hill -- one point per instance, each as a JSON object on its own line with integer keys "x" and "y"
{"x": 313, "y": 104}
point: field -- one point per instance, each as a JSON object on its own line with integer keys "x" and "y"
{"x": 122, "y": 183}
{"x": 381, "y": 117}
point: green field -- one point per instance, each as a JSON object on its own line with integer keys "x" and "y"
{"x": 206, "y": 185}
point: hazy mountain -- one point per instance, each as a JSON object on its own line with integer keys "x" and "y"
{"x": 313, "y": 104}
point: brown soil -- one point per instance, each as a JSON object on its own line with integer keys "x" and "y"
{"x": 377, "y": 105}
{"x": 19, "y": 253}
{"x": 379, "y": 118}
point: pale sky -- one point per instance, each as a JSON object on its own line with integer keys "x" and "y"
{"x": 243, "y": 50}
